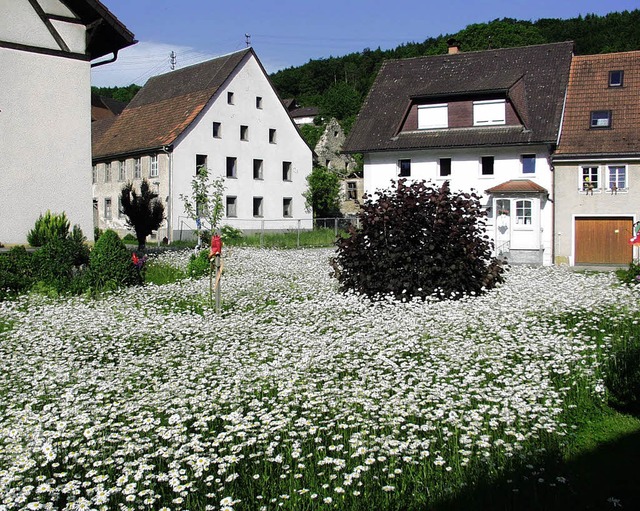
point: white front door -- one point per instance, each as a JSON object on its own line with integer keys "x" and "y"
{"x": 517, "y": 224}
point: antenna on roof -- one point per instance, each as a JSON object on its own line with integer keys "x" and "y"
{"x": 248, "y": 39}
{"x": 172, "y": 60}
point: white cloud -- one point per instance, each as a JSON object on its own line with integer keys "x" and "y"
{"x": 141, "y": 61}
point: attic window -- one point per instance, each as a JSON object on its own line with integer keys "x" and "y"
{"x": 601, "y": 119}
{"x": 230, "y": 98}
{"x": 404, "y": 168}
{"x": 433, "y": 116}
{"x": 258, "y": 102}
{"x": 488, "y": 113}
{"x": 616, "y": 78}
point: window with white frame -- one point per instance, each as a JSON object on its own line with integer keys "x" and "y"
{"x": 616, "y": 78}
{"x": 617, "y": 177}
{"x": 107, "y": 172}
{"x": 523, "y": 212}
{"x": 257, "y": 207}
{"x": 287, "y": 210}
{"x": 137, "y": 168}
{"x": 601, "y": 119}
{"x": 589, "y": 179}
{"x": 352, "y": 190}
{"x": 528, "y": 163}
{"x": 503, "y": 207}
{"x": 94, "y": 174}
{"x": 433, "y": 116}
{"x": 107, "y": 209}
{"x": 122, "y": 171}
{"x": 487, "y": 113}
{"x": 153, "y": 172}
{"x": 232, "y": 207}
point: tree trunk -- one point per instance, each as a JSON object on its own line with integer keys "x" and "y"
{"x": 142, "y": 243}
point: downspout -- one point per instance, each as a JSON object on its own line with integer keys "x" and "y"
{"x": 553, "y": 179}
{"x": 169, "y": 153}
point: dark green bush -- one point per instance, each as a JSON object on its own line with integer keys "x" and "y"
{"x": 623, "y": 373}
{"x": 48, "y": 227}
{"x": 110, "y": 264}
{"x": 418, "y": 240}
{"x": 631, "y": 275}
{"x": 58, "y": 262}
{"x": 199, "y": 265}
{"x": 16, "y": 272}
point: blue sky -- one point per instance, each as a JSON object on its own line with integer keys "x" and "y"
{"x": 288, "y": 33}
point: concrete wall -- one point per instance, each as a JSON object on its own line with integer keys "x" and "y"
{"x": 572, "y": 201}
{"x": 381, "y": 168}
{"x": 45, "y": 118}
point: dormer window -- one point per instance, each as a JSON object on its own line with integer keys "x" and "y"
{"x": 433, "y": 116}
{"x": 601, "y": 119}
{"x": 616, "y": 78}
{"x": 489, "y": 113}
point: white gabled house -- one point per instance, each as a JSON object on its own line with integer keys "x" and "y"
{"x": 223, "y": 114}
{"x": 46, "y": 49}
{"x": 487, "y": 121}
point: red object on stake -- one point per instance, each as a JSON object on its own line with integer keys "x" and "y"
{"x": 216, "y": 246}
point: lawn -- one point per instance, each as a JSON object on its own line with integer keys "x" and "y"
{"x": 299, "y": 397}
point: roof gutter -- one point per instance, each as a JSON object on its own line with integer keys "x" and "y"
{"x": 108, "y": 61}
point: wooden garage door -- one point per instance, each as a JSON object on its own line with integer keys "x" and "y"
{"x": 603, "y": 240}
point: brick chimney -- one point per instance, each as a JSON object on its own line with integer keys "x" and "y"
{"x": 454, "y": 46}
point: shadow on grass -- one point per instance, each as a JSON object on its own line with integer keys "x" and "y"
{"x": 603, "y": 475}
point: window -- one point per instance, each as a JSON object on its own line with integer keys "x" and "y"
{"x": 154, "y": 166}
{"x": 217, "y": 130}
{"x": 244, "y": 132}
{"x": 617, "y": 178}
{"x": 433, "y": 116}
{"x": 201, "y": 163}
{"x": 444, "y": 167}
{"x": 272, "y": 135}
{"x": 230, "y": 98}
{"x": 487, "y": 165}
{"x": 232, "y": 164}
{"x": 107, "y": 172}
{"x": 94, "y": 174}
{"x": 122, "y": 171}
{"x": 107, "y": 209}
{"x": 528, "y": 163}
{"x": 120, "y": 212}
{"x": 589, "y": 179}
{"x": 137, "y": 168}
{"x": 503, "y": 207}
{"x": 257, "y": 206}
{"x": 286, "y": 171}
{"x": 287, "y": 207}
{"x": 257, "y": 169}
{"x": 616, "y": 78}
{"x": 523, "y": 212}
{"x": 232, "y": 207}
{"x": 259, "y": 102}
{"x": 486, "y": 113}
{"x": 601, "y": 119}
{"x": 404, "y": 168}
{"x": 352, "y": 190}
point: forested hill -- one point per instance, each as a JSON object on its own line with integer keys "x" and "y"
{"x": 338, "y": 85}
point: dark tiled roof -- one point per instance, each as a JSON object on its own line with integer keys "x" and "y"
{"x": 517, "y": 186}
{"x": 165, "y": 107}
{"x": 304, "y": 111}
{"x": 533, "y": 77}
{"x": 589, "y": 90}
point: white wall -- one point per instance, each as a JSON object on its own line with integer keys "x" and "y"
{"x": 45, "y": 119}
{"x": 246, "y": 83}
{"x": 381, "y": 168}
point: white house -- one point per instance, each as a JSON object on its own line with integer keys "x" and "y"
{"x": 46, "y": 49}
{"x": 487, "y": 121}
{"x": 223, "y": 114}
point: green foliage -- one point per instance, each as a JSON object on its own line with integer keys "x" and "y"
{"x": 48, "y": 227}
{"x": 341, "y": 101}
{"x": 124, "y": 94}
{"x": 205, "y": 201}
{"x": 228, "y": 233}
{"x": 311, "y": 133}
{"x": 110, "y": 264}
{"x": 418, "y": 240}
{"x": 144, "y": 211}
{"x": 16, "y": 272}
{"x": 160, "y": 274}
{"x": 97, "y": 232}
{"x": 199, "y": 265}
{"x": 57, "y": 265}
{"x": 323, "y": 193}
{"x": 631, "y": 275}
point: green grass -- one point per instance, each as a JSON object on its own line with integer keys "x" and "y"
{"x": 160, "y": 274}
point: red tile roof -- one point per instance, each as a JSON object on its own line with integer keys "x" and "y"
{"x": 165, "y": 107}
{"x": 518, "y": 186}
{"x": 589, "y": 91}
